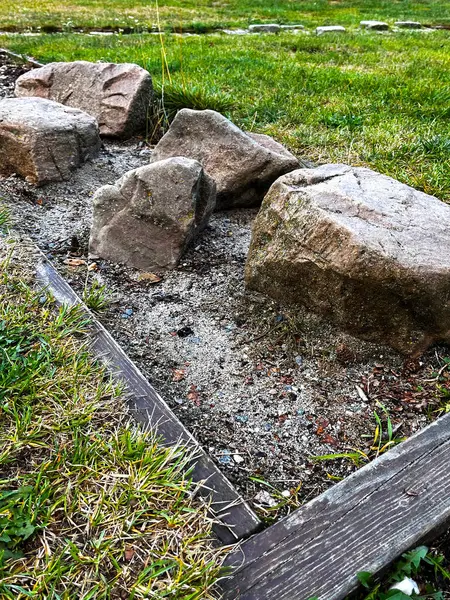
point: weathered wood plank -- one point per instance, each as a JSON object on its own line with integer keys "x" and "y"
{"x": 235, "y": 519}
{"x": 360, "y": 524}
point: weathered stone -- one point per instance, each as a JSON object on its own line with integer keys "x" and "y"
{"x": 374, "y": 25}
{"x": 264, "y": 28}
{"x": 242, "y": 167}
{"x": 44, "y": 141}
{"x": 330, "y": 29}
{"x": 408, "y": 24}
{"x": 117, "y": 95}
{"x": 292, "y": 27}
{"x": 268, "y": 142}
{"x": 368, "y": 252}
{"x": 147, "y": 219}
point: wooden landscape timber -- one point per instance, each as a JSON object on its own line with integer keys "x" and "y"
{"x": 234, "y": 518}
{"x": 360, "y": 524}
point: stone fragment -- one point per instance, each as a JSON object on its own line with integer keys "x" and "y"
{"x": 150, "y": 215}
{"x": 374, "y": 25}
{"x": 330, "y": 29}
{"x": 408, "y": 24}
{"x": 242, "y": 166}
{"x": 117, "y": 95}
{"x": 44, "y": 141}
{"x": 362, "y": 249}
{"x": 264, "y": 28}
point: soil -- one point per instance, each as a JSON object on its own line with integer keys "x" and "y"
{"x": 262, "y": 386}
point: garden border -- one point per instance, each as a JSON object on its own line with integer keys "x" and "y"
{"x": 234, "y": 519}
{"x": 362, "y": 523}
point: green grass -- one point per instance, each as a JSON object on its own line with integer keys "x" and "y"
{"x": 363, "y": 98}
{"x": 91, "y": 506}
{"x": 202, "y": 15}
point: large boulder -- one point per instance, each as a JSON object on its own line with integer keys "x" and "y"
{"x": 243, "y": 167}
{"x": 360, "y": 248}
{"x": 151, "y": 214}
{"x": 44, "y": 141}
{"x": 117, "y": 95}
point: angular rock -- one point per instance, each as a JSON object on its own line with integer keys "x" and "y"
{"x": 44, "y": 141}
{"x": 117, "y": 95}
{"x": 147, "y": 219}
{"x": 362, "y": 249}
{"x": 242, "y": 167}
{"x": 408, "y": 24}
{"x": 264, "y": 28}
{"x": 330, "y": 29}
{"x": 374, "y": 25}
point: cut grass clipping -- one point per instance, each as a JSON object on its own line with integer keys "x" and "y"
{"x": 91, "y": 506}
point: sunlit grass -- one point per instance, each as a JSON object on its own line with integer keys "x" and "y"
{"x": 91, "y": 506}
{"x": 203, "y": 15}
{"x": 380, "y": 100}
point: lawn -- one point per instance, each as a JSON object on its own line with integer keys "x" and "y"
{"x": 201, "y": 15}
{"x": 381, "y": 100}
{"x": 91, "y": 506}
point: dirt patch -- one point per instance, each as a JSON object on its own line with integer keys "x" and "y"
{"x": 262, "y": 386}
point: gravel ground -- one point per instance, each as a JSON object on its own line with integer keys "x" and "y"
{"x": 262, "y": 386}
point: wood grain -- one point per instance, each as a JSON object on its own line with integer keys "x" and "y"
{"x": 235, "y": 519}
{"x": 361, "y": 524}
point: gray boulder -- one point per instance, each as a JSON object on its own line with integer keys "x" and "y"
{"x": 147, "y": 219}
{"x": 292, "y": 27}
{"x": 408, "y": 24}
{"x": 330, "y": 29}
{"x": 44, "y": 141}
{"x": 117, "y": 95}
{"x": 374, "y": 25}
{"x": 360, "y": 248}
{"x": 243, "y": 167}
{"x": 264, "y": 28}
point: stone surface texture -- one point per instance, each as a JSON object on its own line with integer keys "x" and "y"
{"x": 362, "y": 249}
{"x": 408, "y": 24}
{"x": 264, "y": 28}
{"x": 44, "y": 141}
{"x": 330, "y": 29}
{"x": 147, "y": 219}
{"x": 117, "y": 95}
{"x": 292, "y": 27}
{"x": 374, "y": 25}
{"x": 243, "y": 167}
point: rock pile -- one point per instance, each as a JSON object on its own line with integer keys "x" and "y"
{"x": 44, "y": 141}
{"x": 360, "y": 248}
{"x": 364, "y": 250}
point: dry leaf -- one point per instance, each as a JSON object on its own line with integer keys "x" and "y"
{"x": 74, "y": 262}
{"x": 93, "y": 267}
{"x": 150, "y": 277}
{"x": 178, "y": 374}
{"x": 129, "y": 553}
{"x": 193, "y": 395}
